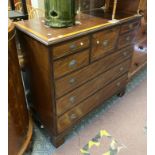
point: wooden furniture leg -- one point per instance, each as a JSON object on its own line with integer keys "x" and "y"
{"x": 122, "y": 92}
{"x": 57, "y": 140}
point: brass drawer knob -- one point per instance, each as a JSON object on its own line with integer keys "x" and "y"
{"x": 72, "y": 99}
{"x": 121, "y": 69}
{"x": 118, "y": 84}
{"x": 73, "y": 116}
{"x": 128, "y": 38}
{"x": 72, "y": 80}
{"x": 105, "y": 43}
{"x": 81, "y": 43}
{"x": 73, "y": 47}
{"x": 72, "y": 63}
{"x": 130, "y": 26}
{"x": 125, "y": 53}
{"x": 98, "y": 42}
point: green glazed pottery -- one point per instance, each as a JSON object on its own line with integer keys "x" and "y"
{"x": 59, "y": 13}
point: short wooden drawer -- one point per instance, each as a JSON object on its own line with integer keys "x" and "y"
{"x": 129, "y": 27}
{"x": 70, "y": 63}
{"x": 79, "y": 77}
{"x": 103, "y": 42}
{"x": 70, "y": 100}
{"x": 138, "y": 60}
{"x": 126, "y": 39}
{"x": 70, "y": 118}
{"x": 66, "y": 48}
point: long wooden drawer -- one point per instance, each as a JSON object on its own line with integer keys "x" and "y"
{"x": 66, "y": 48}
{"x": 126, "y": 39}
{"x": 70, "y": 63}
{"x": 104, "y": 42}
{"x": 70, "y": 118}
{"x": 129, "y": 26}
{"x": 70, "y": 100}
{"x": 79, "y": 77}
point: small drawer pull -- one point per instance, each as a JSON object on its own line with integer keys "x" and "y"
{"x": 81, "y": 43}
{"x": 130, "y": 26}
{"x": 98, "y": 42}
{"x": 73, "y": 47}
{"x": 118, "y": 84}
{"x": 125, "y": 53}
{"x": 72, "y": 80}
{"x": 72, "y": 63}
{"x": 105, "y": 43}
{"x": 121, "y": 69}
{"x": 72, "y": 99}
{"x": 73, "y": 116}
{"x": 127, "y": 38}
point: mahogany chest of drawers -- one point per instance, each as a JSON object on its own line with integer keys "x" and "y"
{"x": 74, "y": 70}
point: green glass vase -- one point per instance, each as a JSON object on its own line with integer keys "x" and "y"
{"x": 59, "y": 13}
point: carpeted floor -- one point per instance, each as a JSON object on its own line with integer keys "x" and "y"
{"x": 118, "y": 127}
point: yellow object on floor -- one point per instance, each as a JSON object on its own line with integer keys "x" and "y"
{"x": 114, "y": 147}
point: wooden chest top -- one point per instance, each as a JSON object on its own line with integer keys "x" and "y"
{"x": 84, "y": 23}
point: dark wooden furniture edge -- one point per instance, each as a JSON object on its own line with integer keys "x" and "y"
{"x": 28, "y": 138}
{"x": 46, "y": 42}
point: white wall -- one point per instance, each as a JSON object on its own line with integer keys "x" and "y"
{"x": 38, "y": 4}
{"x": 34, "y": 3}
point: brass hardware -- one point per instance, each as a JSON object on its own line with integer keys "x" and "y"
{"x": 105, "y": 43}
{"x": 73, "y": 47}
{"x": 125, "y": 53}
{"x": 130, "y": 26}
{"x": 121, "y": 68}
{"x": 127, "y": 38}
{"x": 72, "y": 63}
{"x": 72, "y": 99}
{"x": 81, "y": 43}
{"x": 118, "y": 84}
{"x": 98, "y": 42}
{"x": 49, "y": 34}
{"x": 73, "y": 116}
{"x": 72, "y": 80}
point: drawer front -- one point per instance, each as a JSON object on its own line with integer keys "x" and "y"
{"x": 129, "y": 26}
{"x": 70, "y": 63}
{"x": 70, "y": 47}
{"x": 79, "y": 77}
{"x": 76, "y": 96}
{"x": 138, "y": 59}
{"x": 103, "y": 43}
{"x": 126, "y": 39}
{"x": 70, "y": 118}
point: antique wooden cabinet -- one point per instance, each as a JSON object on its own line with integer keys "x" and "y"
{"x": 74, "y": 70}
